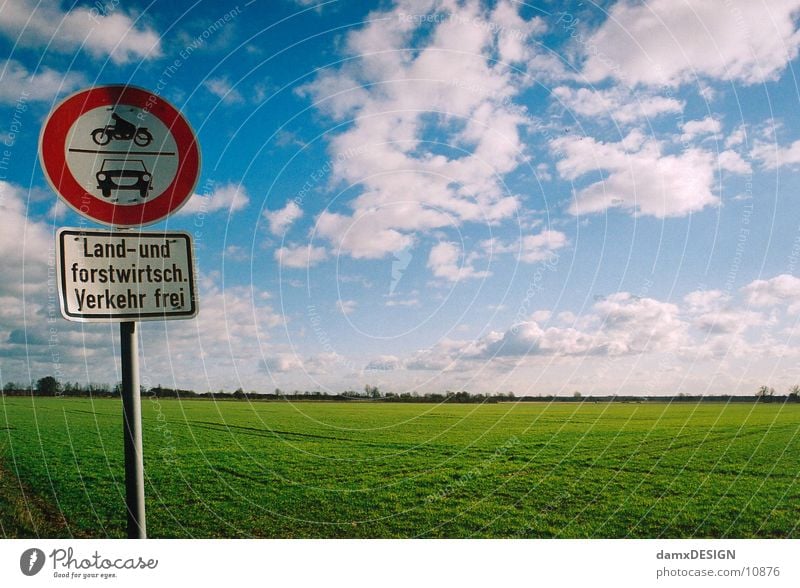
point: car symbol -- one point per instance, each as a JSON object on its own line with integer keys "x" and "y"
{"x": 124, "y": 174}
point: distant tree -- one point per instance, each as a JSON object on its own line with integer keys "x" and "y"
{"x": 372, "y": 391}
{"x": 765, "y": 394}
{"x": 239, "y": 393}
{"x": 794, "y": 393}
{"x": 47, "y": 386}
{"x": 576, "y": 394}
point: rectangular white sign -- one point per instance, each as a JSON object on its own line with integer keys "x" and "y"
{"x": 114, "y": 276}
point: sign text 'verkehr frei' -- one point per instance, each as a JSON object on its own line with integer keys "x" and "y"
{"x": 116, "y": 276}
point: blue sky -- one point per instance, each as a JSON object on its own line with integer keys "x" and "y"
{"x": 434, "y": 194}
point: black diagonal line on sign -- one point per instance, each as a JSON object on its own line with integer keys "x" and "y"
{"x": 122, "y": 152}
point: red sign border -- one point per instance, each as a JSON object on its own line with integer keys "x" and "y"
{"x": 52, "y": 155}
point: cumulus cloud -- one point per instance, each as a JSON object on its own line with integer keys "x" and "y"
{"x": 229, "y": 197}
{"x": 539, "y": 247}
{"x": 222, "y": 89}
{"x": 447, "y": 87}
{"x": 664, "y": 42}
{"x": 529, "y": 248}
{"x": 300, "y": 256}
{"x": 280, "y": 220}
{"x": 698, "y": 128}
{"x": 706, "y": 324}
{"x": 282, "y": 363}
{"x": 733, "y": 162}
{"x": 346, "y": 306}
{"x": 780, "y": 290}
{"x": 18, "y": 84}
{"x": 24, "y": 243}
{"x": 619, "y": 104}
{"x": 225, "y": 341}
{"x": 223, "y": 344}
{"x": 641, "y": 178}
{"x": 444, "y": 261}
{"x": 113, "y": 34}
{"x": 773, "y": 156}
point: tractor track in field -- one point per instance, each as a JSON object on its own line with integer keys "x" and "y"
{"x": 25, "y": 514}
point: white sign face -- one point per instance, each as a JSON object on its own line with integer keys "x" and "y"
{"x": 122, "y": 154}
{"x": 107, "y": 276}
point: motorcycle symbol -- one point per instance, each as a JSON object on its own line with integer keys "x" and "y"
{"x": 123, "y": 130}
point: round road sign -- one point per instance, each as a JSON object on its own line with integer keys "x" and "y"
{"x": 120, "y": 155}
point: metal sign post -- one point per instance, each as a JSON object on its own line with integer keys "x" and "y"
{"x": 123, "y": 156}
{"x": 132, "y": 426}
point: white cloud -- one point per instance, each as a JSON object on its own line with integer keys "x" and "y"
{"x": 619, "y": 104}
{"x": 773, "y": 156}
{"x": 529, "y": 248}
{"x": 705, "y": 300}
{"x": 444, "y": 262}
{"x": 236, "y": 253}
{"x": 539, "y": 247}
{"x": 35, "y": 339}
{"x": 780, "y": 290}
{"x": 736, "y": 138}
{"x": 300, "y": 256}
{"x": 698, "y": 128}
{"x": 383, "y": 363}
{"x": 115, "y": 34}
{"x": 622, "y": 324}
{"x": 640, "y": 177}
{"x": 449, "y": 88}
{"x": 24, "y": 243}
{"x": 346, "y": 306}
{"x": 664, "y": 42}
{"x": 18, "y": 84}
{"x": 222, "y": 89}
{"x": 280, "y": 220}
{"x": 364, "y": 237}
{"x": 229, "y": 197}
{"x": 409, "y": 302}
{"x": 283, "y": 363}
{"x": 221, "y": 346}
{"x": 731, "y": 161}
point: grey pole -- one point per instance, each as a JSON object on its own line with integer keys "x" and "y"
{"x": 132, "y": 425}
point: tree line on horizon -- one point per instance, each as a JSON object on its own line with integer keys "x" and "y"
{"x": 49, "y": 386}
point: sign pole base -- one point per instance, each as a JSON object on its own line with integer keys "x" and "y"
{"x": 132, "y": 425}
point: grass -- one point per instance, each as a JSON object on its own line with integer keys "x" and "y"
{"x": 309, "y": 469}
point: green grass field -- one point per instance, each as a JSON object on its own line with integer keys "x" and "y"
{"x": 310, "y": 469}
